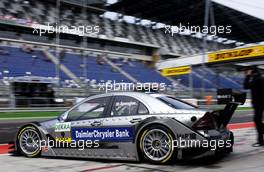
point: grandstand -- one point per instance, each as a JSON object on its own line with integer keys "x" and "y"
{"x": 72, "y": 16}
{"x": 212, "y": 79}
{"x": 121, "y": 51}
{"x": 37, "y": 63}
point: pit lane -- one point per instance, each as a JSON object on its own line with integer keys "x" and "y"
{"x": 244, "y": 158}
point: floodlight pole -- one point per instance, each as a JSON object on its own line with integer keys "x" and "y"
{"x": 206, "y": 20}
{"x": 84, "y": 43}
{"x": 57, "y": 43}
{"x": 84, "y": 53}
{"x": 191, "y": 82}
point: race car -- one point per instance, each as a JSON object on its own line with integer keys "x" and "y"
{"x": 130, "y": 126}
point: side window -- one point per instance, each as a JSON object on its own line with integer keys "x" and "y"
{"x": 142, "y": 109}
{"x": 94, "y": 108}
{"x": 124, "y": 105}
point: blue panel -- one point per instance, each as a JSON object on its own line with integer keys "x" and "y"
{"x": 103, "y": 134}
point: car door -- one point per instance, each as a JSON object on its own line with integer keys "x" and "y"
{"x": 125, "y": 112}
{"x": 83, "y": 117}
{"x": 111, "y": 127}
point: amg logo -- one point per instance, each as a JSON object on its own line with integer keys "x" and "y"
{"x": 187, "y": 136}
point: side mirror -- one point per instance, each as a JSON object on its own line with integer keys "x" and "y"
{"x": 63, "y": 116}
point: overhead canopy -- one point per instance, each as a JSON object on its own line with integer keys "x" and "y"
{"x": 244, "y": 27}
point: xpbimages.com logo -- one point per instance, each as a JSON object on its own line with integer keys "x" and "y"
{"x": 123, "y": 86}
{"x": 210, "y": 144}
{"x": 66, "y": 143}
{"x": 211, "y": 30}
{"x": 77, "y": 30}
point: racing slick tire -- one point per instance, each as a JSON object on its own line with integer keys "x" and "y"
{"x": 155, "y": 144}
{"x": 28, "y": 141}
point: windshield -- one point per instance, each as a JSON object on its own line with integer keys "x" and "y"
{"x": 176, "y": 103}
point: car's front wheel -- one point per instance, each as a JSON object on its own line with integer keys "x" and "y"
{"x": 156, "y": 144}
{"x": 28, "y": 141}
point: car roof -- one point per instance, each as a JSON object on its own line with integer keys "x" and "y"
{"x": 158, "y": 95}
{"x": 154, "y": 105}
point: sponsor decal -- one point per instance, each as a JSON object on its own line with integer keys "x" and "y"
{"x": 236, "y": 54}
{"x": 224, "y": 96}
{"x": 62, "y": 126}
{"x": 63, "y": 139}
{"x": 103, "y": 134}
{"x": 186, "y": 136}
{"x": 176, "y": 71}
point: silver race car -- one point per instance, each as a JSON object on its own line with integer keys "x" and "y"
{"x": 130, "y": 126}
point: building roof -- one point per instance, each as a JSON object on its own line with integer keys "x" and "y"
{"x": 245, "y": 28}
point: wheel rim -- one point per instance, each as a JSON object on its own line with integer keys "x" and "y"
{"x": 29, "y": 141}
{"x": 157, "y": 145}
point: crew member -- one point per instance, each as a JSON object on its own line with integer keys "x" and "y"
{"x": 255, "y": 82}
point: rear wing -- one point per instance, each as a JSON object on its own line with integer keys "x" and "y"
{"x": 232, "y": 99}
{"x": 225, "y": 96}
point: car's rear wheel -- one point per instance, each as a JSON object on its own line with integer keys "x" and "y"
{"x": 28, "y": 141}
{"x": 156, "y": 144}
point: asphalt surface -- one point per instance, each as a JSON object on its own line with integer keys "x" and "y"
{"x": 8, "y": 128}
{"x": 245, "y": 158}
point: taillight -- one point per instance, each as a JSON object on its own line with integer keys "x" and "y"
{"x": 207, "y": 122}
